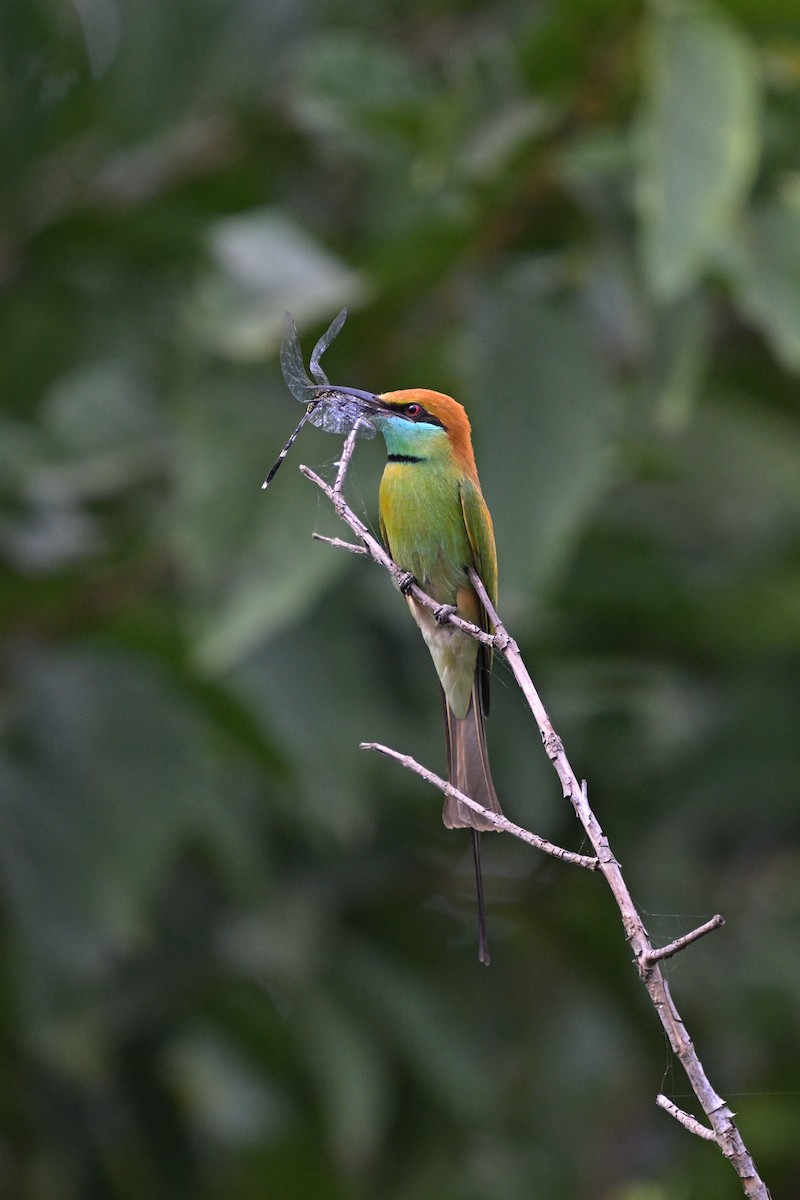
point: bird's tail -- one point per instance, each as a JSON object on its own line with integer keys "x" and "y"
{"x": 468, "y": 770}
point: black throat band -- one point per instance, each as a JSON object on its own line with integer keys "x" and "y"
{"x": 404, "y": 458}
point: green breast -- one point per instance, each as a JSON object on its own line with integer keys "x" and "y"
{"x": 423, "y": 523}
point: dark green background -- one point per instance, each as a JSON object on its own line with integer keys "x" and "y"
{"x": 238, "y": 956}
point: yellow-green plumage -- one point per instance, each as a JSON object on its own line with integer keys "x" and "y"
{"x": 434, "y": 550}
{"x": 435, "y": 524}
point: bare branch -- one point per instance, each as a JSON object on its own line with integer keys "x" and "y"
{"x": 723, "y": 1128}
{"x": 501, "y": 823}
{"x": 682, "y": 942}
{"x": 338, "y": 544}
{"x": 685, "y": 1119}
{"x": 347, "y": 454}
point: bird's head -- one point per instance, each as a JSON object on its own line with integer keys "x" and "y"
{"x": 417, "y": 418}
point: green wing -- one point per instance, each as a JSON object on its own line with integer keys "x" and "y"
{"x": 480, "y": 532}
{"x": 481, "y": 537}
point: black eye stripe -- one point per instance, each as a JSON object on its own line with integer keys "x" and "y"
{"x": 422, "y": 417}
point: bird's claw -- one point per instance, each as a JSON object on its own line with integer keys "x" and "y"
{"x": 444, "y": 611}
{"x": 405, "y": 581}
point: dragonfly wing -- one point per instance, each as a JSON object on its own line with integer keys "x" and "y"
{"x": 322, "y": 345}
{"x": 294, "y": 371}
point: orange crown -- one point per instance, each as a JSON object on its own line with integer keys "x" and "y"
{"x": 450, "y": 413}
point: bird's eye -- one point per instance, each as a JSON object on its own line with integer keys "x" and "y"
{"x": 413, "y": 410}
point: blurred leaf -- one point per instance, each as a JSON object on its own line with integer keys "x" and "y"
{"x": 317, "y": 686}
{"x": 348, "y": 1063}
{"x": 106, "y": 432}
{"x": 353, "y": 83}
{"x": 249, "y": 563}
{"x": 763, "y": 263}
{"x": 121, "y": 779}
{"x": 739, "y": 501}
{"x": 434, "y": 1048}
{"x": 538, "y": 368}
{"x": 614, "y": 306}
{"x": 264, "y": 265}
{"x": 642, "y": 1191}
{"x": 100, "y": 22}
{"x": 502, "y": 136}
{"x": 51, "y": 533}
{"x": 698, "y": 140}
{"x": 100, "y": 432}
{"x": 99, "y": 406}
{"x": 228, "y": 1099}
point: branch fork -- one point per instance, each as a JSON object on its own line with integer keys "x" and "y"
{"x": 721, "y": 1127}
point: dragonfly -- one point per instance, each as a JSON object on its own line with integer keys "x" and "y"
{"x": 330, "y": 407}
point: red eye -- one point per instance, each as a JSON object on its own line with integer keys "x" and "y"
{"x": 413, "y": 410}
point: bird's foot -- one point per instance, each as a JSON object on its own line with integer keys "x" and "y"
{"x": 443, "y": 612}
{"x": 405, "y": 581}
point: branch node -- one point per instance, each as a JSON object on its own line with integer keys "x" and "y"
{"x": 686, "y": 1119}
{"x": 552, "y": 744}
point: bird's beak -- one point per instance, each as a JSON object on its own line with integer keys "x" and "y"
{"x": 369, "y": 399}
{"x": 373, "y": 405}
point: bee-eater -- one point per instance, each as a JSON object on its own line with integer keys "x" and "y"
{"x": 435, "y": 524}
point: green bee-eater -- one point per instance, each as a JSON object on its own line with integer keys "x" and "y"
{"x": 435, "y": 524}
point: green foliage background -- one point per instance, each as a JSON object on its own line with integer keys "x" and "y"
{"x": 238, "y": 956}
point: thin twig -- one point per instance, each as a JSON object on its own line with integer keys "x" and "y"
{"x": 682, "y": 942}
{"x": 501, "y": 823}
{"x": 339, "y": 544}
{"x": 347, "y": 454}
{"x": 686, "y": 1119}
{"x": 724, "y": 1130}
